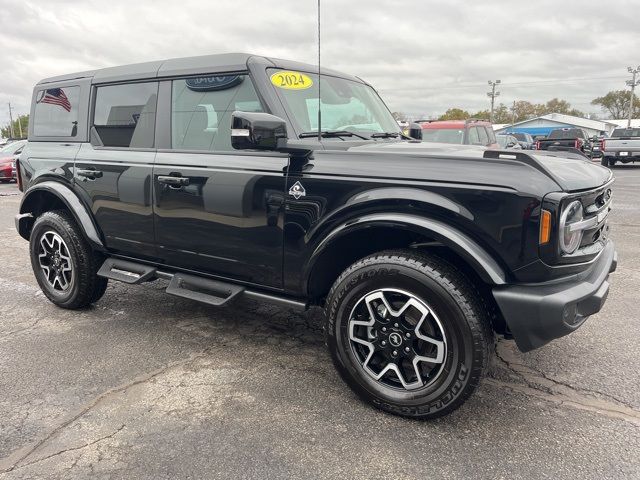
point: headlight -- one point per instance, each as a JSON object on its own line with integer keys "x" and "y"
{"x": 570, "y": 238}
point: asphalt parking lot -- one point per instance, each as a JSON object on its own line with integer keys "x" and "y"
{"x": 145, "y": 385}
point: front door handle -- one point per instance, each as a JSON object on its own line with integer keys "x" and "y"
{"x": 89, "y": 173}
{"x": 173, "y": 181}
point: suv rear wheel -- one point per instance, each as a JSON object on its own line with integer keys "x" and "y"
{"x": 64, "y": 264}
{"x": 408, "y": 333}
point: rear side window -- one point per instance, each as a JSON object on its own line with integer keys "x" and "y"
{"x": 201, "y": 110}
{"x": 56, "y": 112}
{"x": 125, "y": 115}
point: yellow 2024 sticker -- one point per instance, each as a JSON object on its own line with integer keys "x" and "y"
{"x": 291, "y": 80}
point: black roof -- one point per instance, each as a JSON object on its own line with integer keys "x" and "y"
{"x": 204, "y": 64}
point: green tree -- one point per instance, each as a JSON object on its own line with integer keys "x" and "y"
{"x": 616, "y": 104}
{"x": 455, "y": 114}
{"x": 21, "y": 122}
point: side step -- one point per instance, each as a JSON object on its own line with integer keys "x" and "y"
{"x": 202, "y": 290}
{"x": 127, "y": 272}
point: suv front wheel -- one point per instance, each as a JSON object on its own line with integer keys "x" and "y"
{"x": 408, "y": 333}
{"x": 64, "y": 264}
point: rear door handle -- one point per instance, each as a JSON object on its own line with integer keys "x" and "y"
{"x": 89, "y": 173}
{"x": 173, "y": 181}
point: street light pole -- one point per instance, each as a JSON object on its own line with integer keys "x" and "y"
{"x": 632, "y": 83}
{"x": 493, "y": 94}
{"x": 10, "y": 122}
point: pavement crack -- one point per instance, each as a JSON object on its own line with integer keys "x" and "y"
{"x": 10, "y": 463}
{"x": 66, "y": 450}
{"x": 541, "y": 386}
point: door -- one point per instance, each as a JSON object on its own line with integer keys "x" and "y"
{"x": 217, "y": 210}
{"x": 113, "y": 172}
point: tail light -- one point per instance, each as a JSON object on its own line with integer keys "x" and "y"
{"x": 18, "y": 176}
{"x": 602, "y": 143}
{"x": 537, "y": 144}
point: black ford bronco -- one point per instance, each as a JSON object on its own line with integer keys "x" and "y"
{"x": 215, "y": 174}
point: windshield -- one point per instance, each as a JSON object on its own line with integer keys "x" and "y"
{"x": 626, "y": 132}
{"x": 443, "y": 135}
{"x": 502, "y": 140}
{"x": 346, "y": 105}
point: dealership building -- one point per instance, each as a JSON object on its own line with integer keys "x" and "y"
{"x": 546, "y": 123}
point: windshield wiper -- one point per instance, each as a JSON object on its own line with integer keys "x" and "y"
{"x": 385, "y": 135}
{"x": 332, "y": 133}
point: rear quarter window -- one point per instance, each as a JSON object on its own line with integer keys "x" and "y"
{"x": 56, "y": 112}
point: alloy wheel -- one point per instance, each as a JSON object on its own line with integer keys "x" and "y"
{"x": 397, "y": 339}
{"x": 55, "y": 261}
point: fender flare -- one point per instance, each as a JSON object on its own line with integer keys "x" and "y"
{"x": 24, "y": 220}
{"x": 476, "y": 256}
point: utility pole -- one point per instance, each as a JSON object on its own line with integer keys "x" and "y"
{"x": 513, "y": 113}
{"x": 493, "y": 94}
{"x": 632, "y": 83}
{"x": 10, "y": 122}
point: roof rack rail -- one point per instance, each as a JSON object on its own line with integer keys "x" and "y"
{"x": 474, "y": 120}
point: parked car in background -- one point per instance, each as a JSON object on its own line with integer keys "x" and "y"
{"x": 563, "y": 138}
{"x": 508, "y": 141}
{"x": 525, "y": 140}
{"x": 461, "y": 132}
{"x": 8, "y": 155}
{"x": 622, "y": 146}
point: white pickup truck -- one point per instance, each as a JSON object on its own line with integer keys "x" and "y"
{"x": 623, "y": 146}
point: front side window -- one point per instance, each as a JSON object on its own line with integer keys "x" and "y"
{"x": 125, "y": 115}
{"x": 345, "y": 104}
{"x": 491, "y": 134}
{"x": 484, "y": 138}
{"x": 56, "y": 113}
{"x": 201, "y": 109}
{"x": 474, "y": 138}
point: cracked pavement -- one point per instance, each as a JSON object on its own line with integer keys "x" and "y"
{"x": 146, "y": 385}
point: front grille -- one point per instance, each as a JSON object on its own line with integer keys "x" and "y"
{"x": 596, "y": 204}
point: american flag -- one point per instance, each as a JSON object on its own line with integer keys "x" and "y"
{"x": 56, "y": 96}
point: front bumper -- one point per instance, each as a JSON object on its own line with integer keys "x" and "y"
{"x": 539, "y": 313}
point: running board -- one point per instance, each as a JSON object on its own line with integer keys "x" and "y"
{"x": 127, "y": 272}
{"x": 202, "y": 290}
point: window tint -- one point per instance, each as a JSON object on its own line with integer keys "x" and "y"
{"x": 56, "y": 113}
{"x": 201, "y": 110}
{"x": 125, "y": 115}
{"x": 474, "y": 138}
{"x": 484, "y": 139}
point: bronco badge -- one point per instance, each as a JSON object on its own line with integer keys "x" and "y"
{"x": 297, "y": 190}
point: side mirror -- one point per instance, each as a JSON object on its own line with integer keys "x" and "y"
{"x": 511, "y": 144}
{"x": 415, "y": 131}
{"x": 257, "y": 131}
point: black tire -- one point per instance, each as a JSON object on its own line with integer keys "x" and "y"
{"x": 458, "y": 308}
{"x": 83, "y": 286}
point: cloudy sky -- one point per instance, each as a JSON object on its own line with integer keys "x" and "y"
{"x": 423, "y": 56}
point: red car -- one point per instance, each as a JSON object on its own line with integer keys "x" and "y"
{"x": 461, "y": 132}
{"x": 8, "y": 155}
